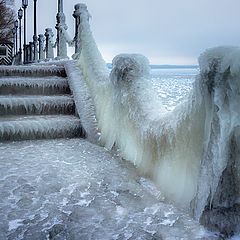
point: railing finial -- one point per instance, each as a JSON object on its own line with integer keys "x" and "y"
{"x": 79, "y": 9}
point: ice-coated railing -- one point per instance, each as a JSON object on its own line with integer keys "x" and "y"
{"x": 94, "y": 71}
{"x": 42, "y": 47}
{"x": 130, "y": 118}
{"x": 217, "y": 200}
{"x": 192, "y": 153}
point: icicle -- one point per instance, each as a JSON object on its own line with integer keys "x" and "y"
{"x": 48, "y": 126}
{"x": 36, "y": 104}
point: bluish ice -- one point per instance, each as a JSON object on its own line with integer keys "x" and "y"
{"x": 72, "y": 189}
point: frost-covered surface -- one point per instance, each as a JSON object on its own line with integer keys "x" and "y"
{"x": 33, "y": 84}
{"x": 94, "y": 70}
{"x": 197, "y": 142}
{"x": 217, "y": 203}
{"x": 147, "y": 134}
{"x": 227, "y": 58}
{"x": 201, "y": 135}
{"x": 83, "y": 101}
{"x": 31, "y": 81}
{"x": 129, "y": 114}
{"x": 27, "y": 104}
{"x": 83, "y": 192}
{"x": 34, "y": 127}
{"x": 91, "y": 61}
{"x": 33, "y": 70}
{"x": 36, "y": 102}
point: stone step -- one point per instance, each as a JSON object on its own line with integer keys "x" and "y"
{"x": 34, "y": 85}
{"x": 39, "y": 127}
{"x": 35, "y": 105}
{"x": 33, "y": 71}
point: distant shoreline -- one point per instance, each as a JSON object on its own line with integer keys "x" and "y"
{"x": 172, "y": 66}
{"x": 166, "y": 66}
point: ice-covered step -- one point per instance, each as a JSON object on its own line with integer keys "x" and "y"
{"x": 34, "y": 85}
{"x": 33, "y": 71}
{"x": 31, "y": 104}
{"x": 39, "y": 127}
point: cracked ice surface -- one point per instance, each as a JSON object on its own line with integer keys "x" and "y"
{"x": 72, "y": 189}
{"x": 173, "y": 85}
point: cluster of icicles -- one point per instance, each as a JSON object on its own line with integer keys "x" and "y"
{"x": 35, "y": 104}
{"x": 47, "y": 126}
{"x": 190, "y": 152}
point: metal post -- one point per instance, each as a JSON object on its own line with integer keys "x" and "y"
{"x": 49, "y": 44}
{"x": 41, "y": 46}
{"x": 24, "y": 6}
{"x": 27, "y": 53}
{"x": 35, "y": 38}
{"x": 24, "y": 38}
{"x": 20, "y": 15}
{"x": 60, "y": 6}
{"x": 16, "y": 28}
{"x": 61, "y": 26}
{"x": 31, "y": 50}
{"x": 76, "y": 15}
{"x": 14, "y": 41}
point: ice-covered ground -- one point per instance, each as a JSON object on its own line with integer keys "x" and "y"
{"x": 72, "y": 189}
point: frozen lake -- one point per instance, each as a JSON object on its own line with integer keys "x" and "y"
{"x": 72, "y": 189}
{"x": 173, "y": 85}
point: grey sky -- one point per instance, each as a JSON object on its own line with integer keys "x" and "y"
{"x": 167, "y": 32}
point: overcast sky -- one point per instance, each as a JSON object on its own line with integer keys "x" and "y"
{"x": 165, "y": 31}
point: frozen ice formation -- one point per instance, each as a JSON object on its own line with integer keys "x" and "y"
{"x": 27, "y": 85}
{"x": 72, "y": 189}
{"x": 33, "y": 70}
{"x": 83, "y": 101}
{"x": 217, "y": 200}
{"x": 36, "y": 102}
{"x": 22, "y": 104}
{"x": 34, "y": 127}
{"x": 192, "y": 152}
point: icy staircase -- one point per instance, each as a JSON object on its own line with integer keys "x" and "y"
{"x": 36, "y": 103}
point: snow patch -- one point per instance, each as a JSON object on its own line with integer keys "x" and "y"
{"x": 168, "y": 222}
{"x": 14, "y": 224}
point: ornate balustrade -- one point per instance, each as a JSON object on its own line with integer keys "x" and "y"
{"x": 46, "y": 43}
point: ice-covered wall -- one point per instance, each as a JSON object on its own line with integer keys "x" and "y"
{"x": 192, "y": 153}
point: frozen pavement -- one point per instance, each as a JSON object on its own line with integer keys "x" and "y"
{"x": 72, "y": 189}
